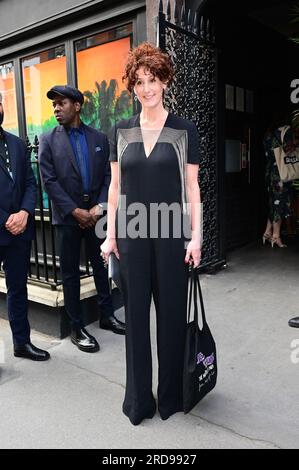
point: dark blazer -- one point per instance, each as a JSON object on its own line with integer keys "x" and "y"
{"x": 61, "y": 176}
{"x": 19, "y": 193}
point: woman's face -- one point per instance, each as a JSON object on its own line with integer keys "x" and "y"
{"x": 148, "y": 88}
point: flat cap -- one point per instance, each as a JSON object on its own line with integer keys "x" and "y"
{"x": 67, "y": 91}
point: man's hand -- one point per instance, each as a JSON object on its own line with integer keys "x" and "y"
{"x": 96, "y": 211}
{"x": 17, "y": 222}
{"x": 84, "y": 218}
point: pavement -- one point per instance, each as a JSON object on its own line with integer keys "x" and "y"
{"x": 74, "y": 400}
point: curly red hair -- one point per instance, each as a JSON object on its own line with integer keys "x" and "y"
{"x": 146, "y": 55}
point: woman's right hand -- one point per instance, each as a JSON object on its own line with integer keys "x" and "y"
{"x": 109, "y": 246}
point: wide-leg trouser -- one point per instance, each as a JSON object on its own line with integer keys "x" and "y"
{"x": 154, "y": 266}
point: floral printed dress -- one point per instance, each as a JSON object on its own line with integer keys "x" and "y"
{"x": 279, "y": 193}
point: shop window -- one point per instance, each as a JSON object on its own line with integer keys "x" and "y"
{"x": 8, "y": 91}
{"x": 100, "y": 63}
{"x": 41, "y": 72}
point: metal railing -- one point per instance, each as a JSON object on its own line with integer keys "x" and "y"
{"x": 44, "y": 261}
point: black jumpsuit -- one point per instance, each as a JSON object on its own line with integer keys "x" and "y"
{"x": 153, "y": 263}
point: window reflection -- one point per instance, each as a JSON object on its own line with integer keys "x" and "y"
{"x": 41, "y": 72}
{"x": 100, "y": 65}
{"x": 8, "y": 91}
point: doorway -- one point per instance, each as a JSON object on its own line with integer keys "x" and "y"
{"x": 257, "y": 63}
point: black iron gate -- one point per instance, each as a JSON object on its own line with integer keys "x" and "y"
{"x": 190, "y": 41}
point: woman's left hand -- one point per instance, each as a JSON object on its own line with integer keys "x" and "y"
{"x": 193, "y": 253}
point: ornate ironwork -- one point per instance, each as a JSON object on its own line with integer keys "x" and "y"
{"x": 193, "y": 95}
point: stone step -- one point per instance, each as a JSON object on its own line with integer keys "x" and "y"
{"x": 43, "y": 294}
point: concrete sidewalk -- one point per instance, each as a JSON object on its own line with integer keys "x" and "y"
{"x": 74, "y": 400}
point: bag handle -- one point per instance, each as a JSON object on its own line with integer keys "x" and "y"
{"x": 192, "y": 358}
{"x": 283, "y": 133}
{"x": 190, "y": 298}
{"x": 196, "y": 288}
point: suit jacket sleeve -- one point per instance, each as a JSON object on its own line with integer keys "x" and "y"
{"x": 107, "y": 178}
{"x": 29, "y": 199}
{"x": 3, "y": 216}
{"x": 60, "y": 198}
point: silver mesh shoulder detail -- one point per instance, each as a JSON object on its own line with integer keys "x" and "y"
{"x": 122, "y": 144}
{"x": 179, "y": 140}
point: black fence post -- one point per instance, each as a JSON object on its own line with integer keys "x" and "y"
{"x": 41, "y": 211}
{"x": 161, "y": 25}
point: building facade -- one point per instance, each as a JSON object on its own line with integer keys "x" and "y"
{"x": 233, "y": 85}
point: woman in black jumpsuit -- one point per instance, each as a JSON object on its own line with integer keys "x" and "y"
{"x": 151, "y": 172}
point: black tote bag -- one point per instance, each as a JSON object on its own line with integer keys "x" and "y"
{"x": 200, "y": 363}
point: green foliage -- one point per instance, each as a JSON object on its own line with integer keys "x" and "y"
{"x": 49, "y": 124}
{"x": 37, "y": 129}
{"x": 103, "y": 108}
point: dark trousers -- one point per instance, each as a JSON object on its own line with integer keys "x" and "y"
{"x": 16, "y": 259}
{"x": 154, "y": 266}
{"x": 70, "y": 238}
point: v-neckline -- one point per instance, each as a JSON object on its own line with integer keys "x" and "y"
{"x": 160, "y": 133}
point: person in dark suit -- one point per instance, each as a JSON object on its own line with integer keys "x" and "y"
{"x": 17, "y": 204}
{"x": 75, "y": 171}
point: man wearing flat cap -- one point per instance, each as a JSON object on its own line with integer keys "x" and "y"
{"x": 76, "y": 175}
{"x": 17, "y": 205}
